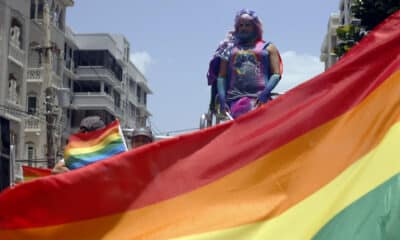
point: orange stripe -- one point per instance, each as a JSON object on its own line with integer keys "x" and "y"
{"x": 92, "y": 142}
{"x": 259, "y": 191}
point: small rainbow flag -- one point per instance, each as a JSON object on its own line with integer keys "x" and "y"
{"x": 89, "y": 147}
{"x": 31, "y": 173}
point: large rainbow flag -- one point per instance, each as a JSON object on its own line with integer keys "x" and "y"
{"x": 89, "y": 147}
{"x": 320, "y": 162}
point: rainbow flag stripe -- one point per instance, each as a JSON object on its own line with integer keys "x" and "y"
{"x": 320, "y": 162}
{"x": 31, "y": 173}
{"x": 86, "y": 148}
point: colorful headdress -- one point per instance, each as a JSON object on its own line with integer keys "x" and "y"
{"x": 254, "y": 18}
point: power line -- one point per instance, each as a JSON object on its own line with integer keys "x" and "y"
{"x": 179, "y": 131}
{"x": 154, "y": 127}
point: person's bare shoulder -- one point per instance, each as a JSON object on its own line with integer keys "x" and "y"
{"x": 272, "y": 49}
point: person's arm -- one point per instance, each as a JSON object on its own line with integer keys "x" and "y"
{"x": 60, "y": 167}
{"x": 223, "y": 69}
{"x": 272, "y": 81}
{"x": 273, "y": 59}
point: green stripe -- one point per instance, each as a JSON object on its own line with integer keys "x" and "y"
{"x": 374, "y": 216}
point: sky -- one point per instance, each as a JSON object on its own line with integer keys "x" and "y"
{"x": 172, "y": 42}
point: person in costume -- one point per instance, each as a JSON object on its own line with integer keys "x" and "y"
{"x": 245, "y": 68}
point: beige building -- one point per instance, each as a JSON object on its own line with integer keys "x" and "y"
{"x": 343, "y": 17}
{"x": 89, "y": 74}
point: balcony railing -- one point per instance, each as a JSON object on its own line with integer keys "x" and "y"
{"x": 35, "y": 75}
{"x": 32, "y": 123}
{"x": 93, "y": 100}
{"x": 16, "y": 54}
{"x": 90, "y": 72}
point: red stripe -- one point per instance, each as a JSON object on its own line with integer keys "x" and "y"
{"x": 169, "y": 168}
{"x": 35, "y": 172}
{"x": 83, "y": 137}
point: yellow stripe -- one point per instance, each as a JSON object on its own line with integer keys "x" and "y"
{"x": 304, "y": 220}
{"x": 30, "y": 178}
{"x": 104, "y": 142}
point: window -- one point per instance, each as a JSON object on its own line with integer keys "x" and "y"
{"x": 107, "y": 89}
{"x": 32, "y": 104}
{"x": 117, "y": 99}
{"x": 98, "y": 58}
{"x": 139, "y": 94}
{"x": 33, "y": 9}
{"x": 30, "y": 152}
{"x": 86, "y": 86}
{"x": 40, "y": 9}
{"x": 131, "y": 86}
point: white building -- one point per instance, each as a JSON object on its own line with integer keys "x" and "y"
{"x": 344, "y": 17}
{"x": 328, "y": 55}
{"x": 106, "y": 82}
{"x": 91, "y": 73}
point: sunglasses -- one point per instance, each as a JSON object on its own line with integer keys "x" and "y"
{"x": 247, "y": 11}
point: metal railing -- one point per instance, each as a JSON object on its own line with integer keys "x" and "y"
{"x": 34, "y": 75}
{"x": 32, "y": 123}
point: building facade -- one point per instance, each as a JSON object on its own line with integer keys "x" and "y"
{"x": 89, "y": 73}
{"x": 342, "y": 18}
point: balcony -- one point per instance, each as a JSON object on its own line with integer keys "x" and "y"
{"x": 36, "y": 75}
{"x": 93, "y": 100}
{"x": 16, "y": 54}
{"x": 32, "y": 124}
{"x": 90, "y": 73}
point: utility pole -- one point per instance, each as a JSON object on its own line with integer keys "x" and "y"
{"x": 48, "y": 89}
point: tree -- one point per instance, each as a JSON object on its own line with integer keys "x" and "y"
{"x": 370, "y": 13}
{"x": 348, "y": 36}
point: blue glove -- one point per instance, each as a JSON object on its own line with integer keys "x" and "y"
{"x": 221, "y": 94}
{"x": 263, "y": 97}
{"x": 222, "y": 105}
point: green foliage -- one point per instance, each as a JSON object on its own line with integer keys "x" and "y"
{"x": 348, "y": 36}
{"x": 371, "y": 13}
{"x": 348, "y": 32}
